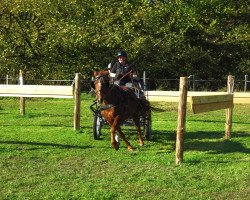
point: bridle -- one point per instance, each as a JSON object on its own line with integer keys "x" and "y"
{"x": 98, "y": 92}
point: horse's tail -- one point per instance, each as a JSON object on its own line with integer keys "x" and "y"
{"x": 145, "y": 105}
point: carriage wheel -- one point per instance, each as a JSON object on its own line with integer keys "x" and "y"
{"x": 97, "y": 126}
{"x": 148, "y": 126}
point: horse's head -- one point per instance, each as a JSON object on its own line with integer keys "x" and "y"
{"x": 101, "y": 85}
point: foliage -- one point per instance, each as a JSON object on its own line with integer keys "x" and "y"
{"x": 43, "y": 158}
{"x": 168, "y": 38}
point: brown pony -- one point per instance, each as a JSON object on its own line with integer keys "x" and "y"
{"x": 118, "y": 103}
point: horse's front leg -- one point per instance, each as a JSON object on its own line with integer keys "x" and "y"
{"x": 117, "y": 127}
{"x": 113, "y": 141}
{"x": 136, "y": 120}
{"x": 111, "y": 121}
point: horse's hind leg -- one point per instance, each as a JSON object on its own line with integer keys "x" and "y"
{"x": 130, "y": 148}
{"x": 136, "y": 120}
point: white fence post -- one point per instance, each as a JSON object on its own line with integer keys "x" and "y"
{"x": 22, "y": 99}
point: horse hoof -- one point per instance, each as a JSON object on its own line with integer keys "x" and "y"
{"x": 117, "y": 146}
{"x": 130, "y": 149}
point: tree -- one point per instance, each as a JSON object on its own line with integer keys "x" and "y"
{"x": 170, "y": 38}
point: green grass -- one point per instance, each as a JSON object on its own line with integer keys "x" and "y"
{"x": 43, "y": 158}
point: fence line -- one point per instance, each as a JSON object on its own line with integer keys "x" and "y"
{"x": 157, "y": 83}
{"x": 49, "y": 91}
{"x": 193, "y": 83}
{"x": 173, "y": 96}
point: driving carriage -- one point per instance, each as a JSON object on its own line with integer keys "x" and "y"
{"x": 119, "y": 106}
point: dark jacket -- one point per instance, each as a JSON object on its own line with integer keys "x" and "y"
{"x": 121, "y": 70}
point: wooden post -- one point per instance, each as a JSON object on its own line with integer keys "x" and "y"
{"x": 145, "y": 89}
{"x": 193, "y": 83}
{"x": 22, "y": 99}
{"x": 229, "y": 111}
{"x": 245, "y": 85}
{"x": 7, "y": 79}
{"x": 144, "y": 80}
{"x": 77, "y": 97}
{"x": 183, "y": 88}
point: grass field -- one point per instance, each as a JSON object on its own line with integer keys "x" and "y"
{"x": 43, "y": 158}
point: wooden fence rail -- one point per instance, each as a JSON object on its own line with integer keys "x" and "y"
{"x": 173, "y": 96}
{"x": 48, "y": 91}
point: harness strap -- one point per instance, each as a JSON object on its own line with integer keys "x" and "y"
{"x": 105, "y": 107}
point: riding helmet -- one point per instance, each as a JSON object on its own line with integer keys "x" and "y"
{"x": 122, "y": 53}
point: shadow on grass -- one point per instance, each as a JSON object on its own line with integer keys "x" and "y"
{"x": 46, "y": 144}
{"x": 211, "y": 142}
{"x": 163, "y": 135}
{"x": 216, "y": 147}
{"x": 204, "y": 135}
{"x": 44, "y": 125}
{"x": 35, "y": 125}
{"x": 215, "y": 121}
{"x": 37, "y": 115}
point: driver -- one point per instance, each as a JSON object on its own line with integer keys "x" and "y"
{"x": 122, "y": 70}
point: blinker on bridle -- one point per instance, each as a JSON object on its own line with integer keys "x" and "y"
{"x": 103, "y": 78}
{"x": 92, "y": 84}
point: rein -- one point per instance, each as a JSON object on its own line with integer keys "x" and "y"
{"x": 110, "y": 88}
{"x": 125, "y": 75}
{"x": 118, "y": 85}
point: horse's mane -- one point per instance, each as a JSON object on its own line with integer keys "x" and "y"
{"x": 101, "y": 73}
